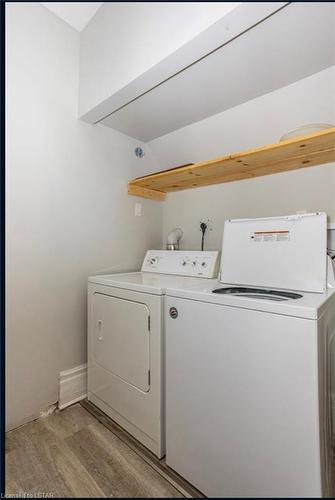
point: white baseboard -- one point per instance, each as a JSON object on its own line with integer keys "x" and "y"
{"x": 72, "y": 386}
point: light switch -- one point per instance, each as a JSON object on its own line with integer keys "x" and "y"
{"x": 138, "y": 209}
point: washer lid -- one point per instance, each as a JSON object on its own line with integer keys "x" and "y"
{"x": 286, "y": 252}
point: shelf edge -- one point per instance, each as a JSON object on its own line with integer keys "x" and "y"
{"x": 151, "y": 194}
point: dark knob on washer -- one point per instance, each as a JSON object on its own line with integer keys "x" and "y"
{"x": 173, "y": 312}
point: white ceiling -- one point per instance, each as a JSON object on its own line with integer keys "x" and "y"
{"x": 294, "y": 43}
{"x": 77, "y": 14}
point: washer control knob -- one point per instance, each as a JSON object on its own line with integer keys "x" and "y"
{"x": 194, "y": 263}
{"x": 154, "y": 260}
{"x": 183, "y": 262}
{"x": 204, "y": 264}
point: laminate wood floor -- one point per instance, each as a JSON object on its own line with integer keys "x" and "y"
{"x": 71, "y": 454}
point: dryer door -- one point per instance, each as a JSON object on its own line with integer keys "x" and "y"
{"x": 121, "y": 339}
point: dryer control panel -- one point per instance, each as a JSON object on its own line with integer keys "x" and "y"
{"x": 184, "y": 263}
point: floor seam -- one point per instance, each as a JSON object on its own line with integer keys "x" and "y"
{"x": 128, "y": 440}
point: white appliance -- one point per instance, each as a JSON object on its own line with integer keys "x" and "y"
{"x": 125, "y": 339}
{"x": 248, "y": 373}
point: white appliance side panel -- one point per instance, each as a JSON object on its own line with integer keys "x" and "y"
{"x": 121, "y": 344}
{"x": 279, "y": 252}
{"x": 242, "y": 407}
{"x": 326, "y": 335}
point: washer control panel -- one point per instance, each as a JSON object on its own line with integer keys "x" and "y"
{"x": 182, "y": 262}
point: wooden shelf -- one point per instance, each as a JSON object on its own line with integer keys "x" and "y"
{"x": 300, "y": 152}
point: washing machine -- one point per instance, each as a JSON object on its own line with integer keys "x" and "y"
{"x": 248, "y": 365}
{"x": 125, "y": 339}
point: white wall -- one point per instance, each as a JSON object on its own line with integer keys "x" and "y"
{"x": 254, "y": 123}
{"x": 68, "y": 212}
{"x": 124, "y": 40}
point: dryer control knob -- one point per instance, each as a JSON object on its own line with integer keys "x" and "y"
{"x": 154, "y": 260}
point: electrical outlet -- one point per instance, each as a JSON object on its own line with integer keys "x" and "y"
{"x": 205, "y": 227}
{"x": 138, "y": 209}
{"x": 209, "y": 224}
